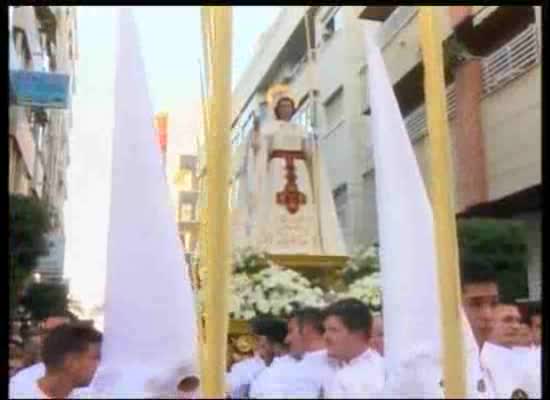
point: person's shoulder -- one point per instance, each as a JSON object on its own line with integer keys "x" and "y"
{"x": 25, "y": 390}
{"x": 31, "y": 373}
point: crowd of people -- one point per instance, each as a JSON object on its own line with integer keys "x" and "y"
{"x": 336, "y": 352}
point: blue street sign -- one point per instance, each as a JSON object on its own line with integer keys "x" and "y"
{"x": 40, "y": 89}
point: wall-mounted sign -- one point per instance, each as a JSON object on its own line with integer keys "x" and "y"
{"x": 40, "y": 89}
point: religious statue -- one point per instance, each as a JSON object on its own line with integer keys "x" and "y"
{"x": 285, "y": 203}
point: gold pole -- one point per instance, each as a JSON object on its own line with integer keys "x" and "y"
{"x": 442, "y": 203}
{"x": 218, "y": 39}
{"x": 202, "y": 229}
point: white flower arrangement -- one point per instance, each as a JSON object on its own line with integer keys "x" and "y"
{"x": 367, "y": 289}
{"x": 260, "y": 287}
{"x": 272, "y": 291}
{"x": 363, "y": 260}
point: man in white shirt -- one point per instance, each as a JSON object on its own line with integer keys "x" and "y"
{"x": 242, "y": 374}
{"x": 271, "y": 347}
{"x": 534, "y": 319}
{"x": 348, "y": 326}
{"x": 29, "y": 375}
{"x": 71, "y": 354}
{"x": 506, "y": 331}
{"x": 493, "y": 371}
{"x": 306, "y": 345}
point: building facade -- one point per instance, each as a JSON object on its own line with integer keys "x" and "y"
{"x": 44, "y": 38}
{"x": 185, "y": 187}
{"x": 493, "y": 77}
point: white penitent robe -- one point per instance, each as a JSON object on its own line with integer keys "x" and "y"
{"x": 241, "y": 376}
{"x": 361, "y": 378}
{"x": 287, "y": 217}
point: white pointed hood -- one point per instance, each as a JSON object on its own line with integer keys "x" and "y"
{"x": 412, "y": 338}
{"x": 150, "y": 332}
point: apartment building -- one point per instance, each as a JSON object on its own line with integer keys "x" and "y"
{"x": 493, "y": 77}
{"x": 44, "y": 38}
{"x": 493, "y": 83}
{"x": 185, "y": 185}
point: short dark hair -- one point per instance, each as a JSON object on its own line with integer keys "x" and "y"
{"x": 309, "y": 315}
{"x": 275, "y": 330}
{"x": 354, "y": 314}
{"x": 475, "y": 269}
{"x": 276, "y": 109}
{"x": 66, "y": 339}
{"x": 533, "y": 309}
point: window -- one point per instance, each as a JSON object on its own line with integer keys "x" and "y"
{"x": 333, "y": 24}
{"x": 341, "y": 203}
{"x": 184, "y": 180}
{"x": 186, "y": 212}
{"x": 304, "y": 117}
{"x": 334, "y": 109}
{"x": 187, "y": 241}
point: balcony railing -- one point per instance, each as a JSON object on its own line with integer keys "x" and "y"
{"x": 416, "y": 120}
{"x": 511, "y": 60}
{"x": 499, "y": 68}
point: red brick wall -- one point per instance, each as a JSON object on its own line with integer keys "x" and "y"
{"x": 470, "y": 159}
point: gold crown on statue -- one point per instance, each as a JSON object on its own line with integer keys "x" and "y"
{"x": 277, "y": 92}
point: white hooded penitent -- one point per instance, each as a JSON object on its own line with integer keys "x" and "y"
{"x": 150, "y": 329}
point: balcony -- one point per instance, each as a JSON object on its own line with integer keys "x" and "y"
{"x": 416, "y": 120}
{"x": 20, "y": 128}
{"x": 510, "y": 61}
{"x": 377, "y": 13}
{"x": 499, "y": 68}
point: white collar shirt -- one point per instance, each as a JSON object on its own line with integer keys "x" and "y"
{"x": 361, "y": 378}
{"x": 271, "y": 381}
{"x": 242, "y": 374}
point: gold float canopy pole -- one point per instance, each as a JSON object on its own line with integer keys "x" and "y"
{"x": 217, "y": 42}
{"x": 444, "y": 215}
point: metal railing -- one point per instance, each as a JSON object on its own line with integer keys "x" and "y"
{"x": 511, "y": 60}
{"x": 499, "y": 68}
{"x": 416, "y": 120}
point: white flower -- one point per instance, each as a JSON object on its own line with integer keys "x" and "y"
{"x": 366, "y": 289}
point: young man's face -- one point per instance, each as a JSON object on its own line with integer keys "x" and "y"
{"x": 525, "y": 337}
{"x": 507, "y": 326}
{"x": 265, "y": 349}
{"x": 377, "y": 338}
{"x": 480, "y": 301}
{"x": 294, "y": 338}
{"x": 536, "y": 321}
{"x": 82, "y": 366}
{"x": 340, "y": 341}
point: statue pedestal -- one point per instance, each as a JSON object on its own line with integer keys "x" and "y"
{"x": 321, "y": 270}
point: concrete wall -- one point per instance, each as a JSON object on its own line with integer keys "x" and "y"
{"x": 511, "y": 119}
